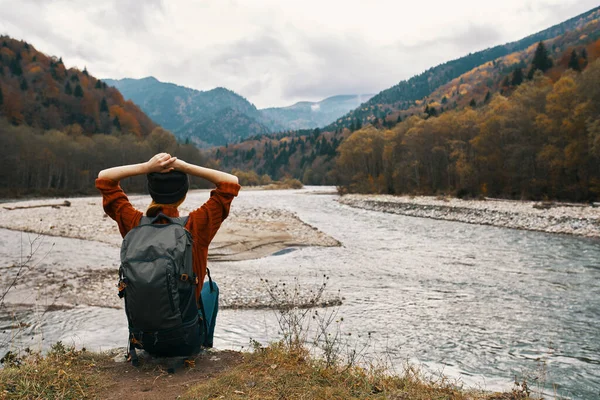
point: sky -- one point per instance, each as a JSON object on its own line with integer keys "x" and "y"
{"x": 274, "y": 52}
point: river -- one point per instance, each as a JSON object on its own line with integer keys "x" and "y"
{"x": 478, "y": 304}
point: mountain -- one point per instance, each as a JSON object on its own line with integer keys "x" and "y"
{"x": 224, "y": 126}
{"x": 405, "y": 93}
{"x": 39, "y": 91}
{"x": 173, "y": 106}
{"x": 187, "y": 112}
{"x": 310, "y": 115}
{"x": 194, "y": 115}
{"x": 313, "y": 156}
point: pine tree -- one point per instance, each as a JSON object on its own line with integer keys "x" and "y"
{"x": 85, "y": 71}
{"x": 574, "y": 61}
{"x": 1, "y": 96}
{"x": 488, "y": 96}
{"x": 473, "y": 103}
{"x": 541, "y": 60}
{"x": 103, "y": 105}
{"x": 15, "y": 67}
{"x": 68, "y": 89}
{"x": 98, "y": 84}
{"x": 517, "y": 77}
{"x": 116, "y": 123}
{"x": 24, "y": 85}
{"x": 78, "y": 91}
{"x": 399, "y": 119}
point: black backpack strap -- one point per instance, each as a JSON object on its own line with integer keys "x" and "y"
{"x": 210, "y": 282}
{"x": 150, "y": 220}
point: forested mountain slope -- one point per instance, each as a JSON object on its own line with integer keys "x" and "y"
{"x": 449, "y": 160}
{"x": 60, "y": 126}
{"x": 403, "y": 95}
{"x": 39, "y": 91}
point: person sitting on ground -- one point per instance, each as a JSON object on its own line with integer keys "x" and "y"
{"x": 168, "y": 185}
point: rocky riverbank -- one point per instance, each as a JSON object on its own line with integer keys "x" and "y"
{"x": 572, "y": 219}
{"x": 66, "y": 272}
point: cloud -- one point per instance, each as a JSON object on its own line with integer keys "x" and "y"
{"x": 342, "y": 64}
{"x": 274, "y": 52}
{"x": 127, "y": 15}
{"x": 473, "y": 37}
{"x": 240, "y": 56}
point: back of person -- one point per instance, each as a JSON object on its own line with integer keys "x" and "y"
{"x": 171, "y": 311}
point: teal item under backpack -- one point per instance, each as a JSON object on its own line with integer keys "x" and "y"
{"x": 210, "y": 305}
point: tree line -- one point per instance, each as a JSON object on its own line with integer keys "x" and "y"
{"x": 53, "y": 162}
{"x": 541, "y": 142}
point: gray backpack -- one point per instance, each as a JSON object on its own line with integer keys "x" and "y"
{"x": 158, "y": 284}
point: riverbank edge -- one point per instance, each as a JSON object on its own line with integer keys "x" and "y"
{"x": 278, "y": 370}
{"x": 579, "y": 220}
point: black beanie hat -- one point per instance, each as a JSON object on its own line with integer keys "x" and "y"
{"x": 168, "y": 187}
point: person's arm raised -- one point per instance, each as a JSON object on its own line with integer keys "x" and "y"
{"x": 211, "y": 175}
{"x": 161, "y": 162}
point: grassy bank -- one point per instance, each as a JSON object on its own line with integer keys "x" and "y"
{"x": 274, "y": 372}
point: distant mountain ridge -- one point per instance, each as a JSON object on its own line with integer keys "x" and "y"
{"x": 220, "y": 116}
{"x": 309, "y": 115}
{"x": 404, "y": 94}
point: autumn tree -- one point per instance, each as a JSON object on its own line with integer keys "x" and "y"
{"x": 116, "y": 123}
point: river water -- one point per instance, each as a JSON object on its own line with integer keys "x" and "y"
{"x": 479, "y": 304}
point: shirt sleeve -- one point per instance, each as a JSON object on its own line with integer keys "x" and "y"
{"x": 117, "y": 205}
{"x": 205, "y": 221}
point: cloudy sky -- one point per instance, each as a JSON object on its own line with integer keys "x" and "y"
{"x": 274, "y": 52}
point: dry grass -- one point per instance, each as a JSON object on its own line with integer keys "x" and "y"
{"x": 278, "y": 372}
{"x": 64, "y": 373}
{"x": 273, "y": 372}
{"x": 285, "y": 184}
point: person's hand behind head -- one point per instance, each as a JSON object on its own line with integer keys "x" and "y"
{"x": 161, "y": 162}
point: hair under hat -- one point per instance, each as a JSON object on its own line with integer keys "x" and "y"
{"x": 168, "y": 187}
